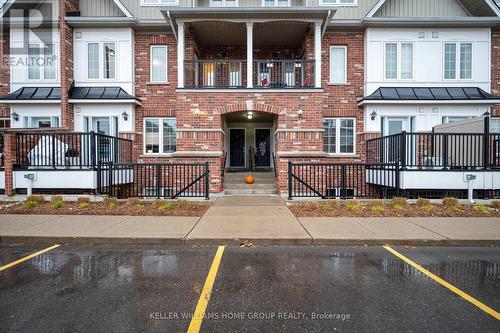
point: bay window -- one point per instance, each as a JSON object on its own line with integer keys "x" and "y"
{"x": 339, "y": 135}
{"x": 160, "y": 135}
{"x": 457, "y": 61}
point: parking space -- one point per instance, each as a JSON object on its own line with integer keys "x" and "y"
{"x": 259, "y": 289}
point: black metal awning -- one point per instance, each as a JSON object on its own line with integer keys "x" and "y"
{"x": 33, "y": 94}
{"x": 100, "y": 93}
{"x": 434, "y": 94}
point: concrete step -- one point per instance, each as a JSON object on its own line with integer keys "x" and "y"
{"x": 251, "y": 187}
{"x": 251, "y": 191}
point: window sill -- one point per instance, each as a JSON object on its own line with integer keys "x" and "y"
{"x": 158, "y": 83}
{"x": 342, "y": 155}
{"x": 337, "y": 84}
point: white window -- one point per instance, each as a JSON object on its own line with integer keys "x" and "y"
{"x": 495, "y": 125}
{"x": 159, "y": 62}
{"x": 223, "y": 3}
{"x": 159, "y": 2}
{"x": 159, "y": 135}
{"x": 399, "y": 61}
{"x": 42, "y": 62}
{"x": 338, "y": 64}
{"x": 276, "y": 3}
{"x": 339, "y": 135}
{"x": 101, "y": 61}
{"x": 458, "y": 61}
{"x": 338, "y": 2}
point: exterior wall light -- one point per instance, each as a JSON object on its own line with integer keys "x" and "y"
{"x": 301, "y": 114}
{"x": 373, "y": 115}
{"x": 250, "y": 115}
{"x": 125, "y": 116}
{"x": 15, "y": 116}
{"x": 196, "y": 112}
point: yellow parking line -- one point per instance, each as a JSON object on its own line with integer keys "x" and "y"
{"x": 199, "y": 312}
{"x": 14, "y": 263}
{"x": 451, "y": 287}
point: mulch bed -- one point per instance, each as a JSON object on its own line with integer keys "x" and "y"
{"x": 338, "y": 209}
{"x": 99, "y": 208}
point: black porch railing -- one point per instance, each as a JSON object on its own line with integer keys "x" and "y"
{"x": 153, "y": 180}
{"x": 341, "y": 180}
{"x": 214, "y": 73}
{"x": 436, "y": 151}
{"x": 284, "y": 73}
{"x": 69, "y": 150}
{"x": 2, "y": 158}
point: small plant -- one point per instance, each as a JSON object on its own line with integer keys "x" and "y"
{"x": 482, "y": 208}
{"x": 139, "y": 206}
{"x": 57, "y": 201}
{"x": 495, "y": 204}
{"x": 398, "y": 207}
{"x": 30, "y": 204}
{"x": 81, "y": 200}
{"x": 84, "y": 205}
{"x": 131, "y": 202}
{"x": 377, "y": 209}
{"x": 450, "y": 202}
{"x": 352, "y": 206}
{"x": 326, "y": 207}
{"x": 398, "y": 202}
{"x": 36, "y": 198}
{"x": 110, "y": 202}
{"x": 426, "y": 208}
{"x": 421, "y": 202}
{"x": 166, "y": 205}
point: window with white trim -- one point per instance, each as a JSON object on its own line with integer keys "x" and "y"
{"x": 276, "y": 3}
{"x": 457, "y": 61}
{"x": 338, "y": 64}
{"x": 159, "y": 135}
{"x": 42, "y": 62}
{"x": 159, "y": 2}
{"x": 339, "y": 135}
{"x": 159, "y": 61}
{"x": 101, "y": 61}
{"x": 224, "y": 3}
{"x": 399, "y": 61}
{"x": 338, "y": 2}
{"x": 495, "y": 125}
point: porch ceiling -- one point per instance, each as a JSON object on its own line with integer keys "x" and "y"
{"x": 268, "y": 34}
{"x": 241, "y": 117}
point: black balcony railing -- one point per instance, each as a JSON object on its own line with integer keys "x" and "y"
{"x": 284, "y": 73}
{"x": 233, "y": 73}
{"x": 436, "y": 151}
{"x": 69, "y": 150}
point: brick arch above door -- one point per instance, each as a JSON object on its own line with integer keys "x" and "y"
{"x": 250, "y": 106}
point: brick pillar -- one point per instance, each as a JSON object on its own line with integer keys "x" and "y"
{"x": 9, "y": 160}
{"x": 495, "y": 70}
{"x": 4, "y": 70}
{"x": 66, "y": 62}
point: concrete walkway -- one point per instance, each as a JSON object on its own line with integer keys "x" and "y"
{"x": 261, "y": 220}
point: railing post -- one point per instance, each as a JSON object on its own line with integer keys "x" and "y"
{"x": 158, "y": 181}
{"x": 397, "y": 180}
{"x": 92, "y": 149}
{"x": 53, "y": 150}
{"x": 402, "y": 149}
{"x": 98, "y": 185}
{"x": 486, "y": 144}
{"x": 289, "y": 180}
{"x": 207, "y": 181}
{"x": 343, "y": 182}
{"x": 445, "y": 151}
{"x": 110, "y": 185}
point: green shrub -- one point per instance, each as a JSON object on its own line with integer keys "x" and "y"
{"x": 427, "y": 208}
{"x": 84, "y": 205}
{"x": 110, "y": 202}
{"x": 482, "y": 208}
{"x": 397, "y": 207}
{"x": 352, "y": 206}
{"x": 421, "y": 202}
{"x": 57, "y": 204}
{"x": 450, "y": 202}
{"x": 36, "y": 198}
{"x": 377, "y": 208}
{"x": 399, "y": 202}
{"x": 30, "y": 204}
{"x": 326, "y": 206}
{"x": 139, "y": 205}
{"x": 83, "y": 200}
{"x": 495, "y": 204}
{"x": 166, "y": 205}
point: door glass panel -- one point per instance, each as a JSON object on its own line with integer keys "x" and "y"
{"x": 101, "y": 125}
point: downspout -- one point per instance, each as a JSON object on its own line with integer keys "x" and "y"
{"x": 328, "y": 19}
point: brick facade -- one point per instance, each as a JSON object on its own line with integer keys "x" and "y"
{"x": 4, "y": 70}
{"x": 495, "y": 69}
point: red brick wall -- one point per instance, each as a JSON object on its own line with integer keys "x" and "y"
{"x": 4, "y": 71}
{"x": 66, "y": 61}
{"x": 495, "y": 69}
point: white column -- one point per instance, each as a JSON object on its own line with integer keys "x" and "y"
{"x": 317, "y": 54}
{"x": 249, "y": 54}
{"x": 180, "y": 55}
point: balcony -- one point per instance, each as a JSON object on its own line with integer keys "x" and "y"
{"x": 267, "y": 74}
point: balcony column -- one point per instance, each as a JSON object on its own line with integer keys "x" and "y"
{"x": 317, "y": 54}
{"x": 249, "y": 54}
{"x": 180, "y": 55}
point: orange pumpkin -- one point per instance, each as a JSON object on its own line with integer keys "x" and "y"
{"x": 249, "y": 179}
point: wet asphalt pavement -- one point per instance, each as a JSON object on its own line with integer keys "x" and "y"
{"x": 260, "y": 289}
